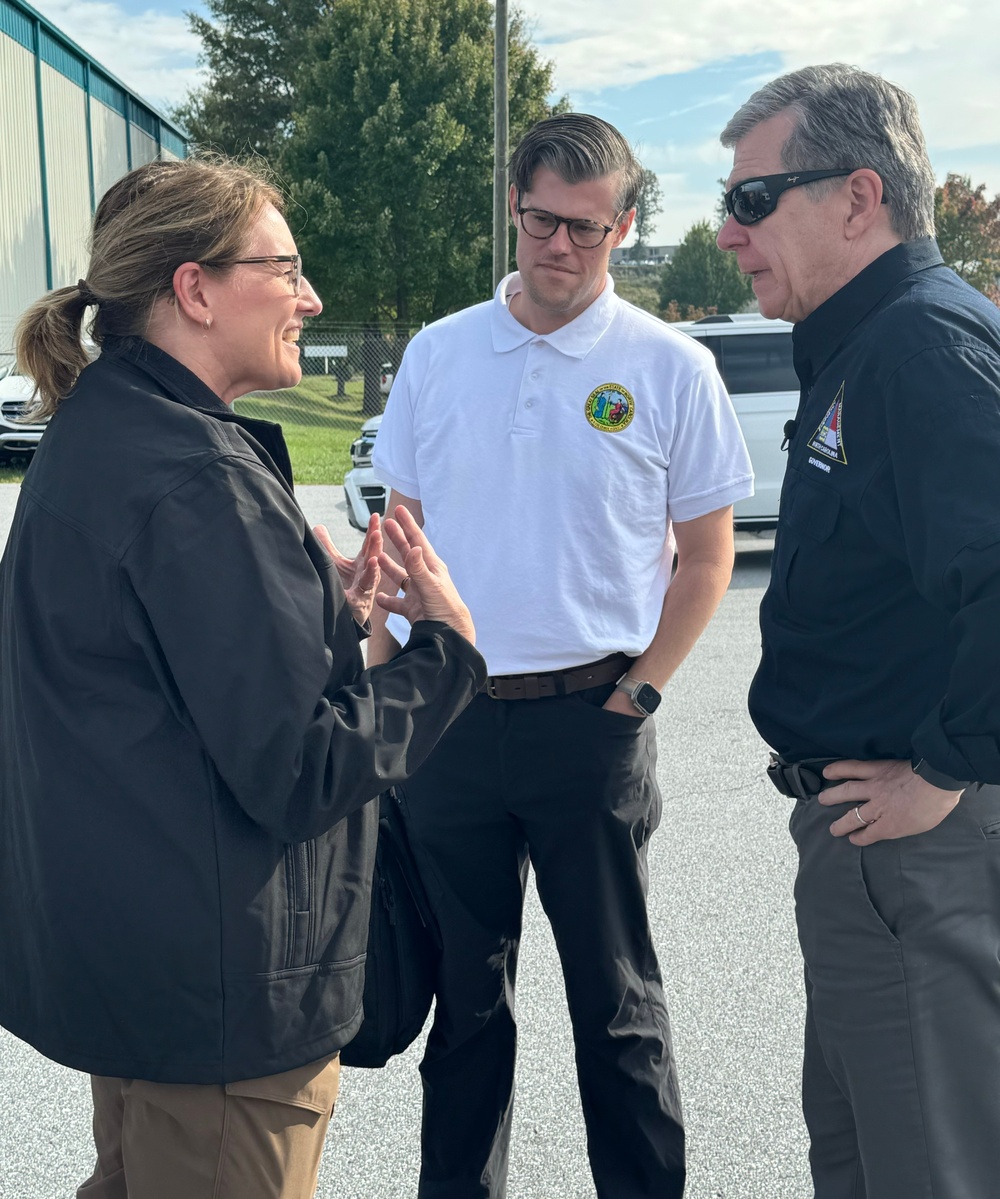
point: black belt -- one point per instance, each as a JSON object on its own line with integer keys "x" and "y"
{"x": 557, "y": 682}
{"x": 800, "y": 780}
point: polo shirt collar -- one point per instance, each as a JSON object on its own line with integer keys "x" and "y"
{"x": 816, "y": 339}
{"x": 575, "y": 340}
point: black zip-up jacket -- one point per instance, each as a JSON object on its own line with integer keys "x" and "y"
{"x": 881, "y": 623}
{"x": 189, "y": 743}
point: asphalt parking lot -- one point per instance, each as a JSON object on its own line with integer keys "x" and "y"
{"x": 721, "y": 867}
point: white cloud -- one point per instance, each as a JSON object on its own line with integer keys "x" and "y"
{"x": 154, "y": 53}
{"x": 947, "y": 54}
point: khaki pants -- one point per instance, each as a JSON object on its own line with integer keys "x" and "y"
{"x": 257, "y": 1139}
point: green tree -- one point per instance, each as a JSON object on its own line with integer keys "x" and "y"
{"x": 648, "y": 207}
{"x": 700, "y": 275}
{"x": 968, "y": 231}
{"x": 253, "y": 50}
{"x": 390, "y": 153}
{"x": 640, "y": 292}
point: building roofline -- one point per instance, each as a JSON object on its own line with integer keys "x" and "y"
{"x": 57, "y": 35}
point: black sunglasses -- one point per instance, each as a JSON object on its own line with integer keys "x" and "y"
{"x": 754, "y": 199}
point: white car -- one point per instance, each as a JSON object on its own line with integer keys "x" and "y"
{"x": 363, "y": 491}
{"x": 18, "y": 441}
{"x": 754, "y": 355}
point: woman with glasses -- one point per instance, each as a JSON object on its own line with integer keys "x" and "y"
{"x": 189, "y": 740}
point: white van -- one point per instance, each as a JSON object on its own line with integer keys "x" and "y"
{"x": 755, "y": 360}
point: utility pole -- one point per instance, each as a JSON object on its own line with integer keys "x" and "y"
{"x": 501, "y": 218}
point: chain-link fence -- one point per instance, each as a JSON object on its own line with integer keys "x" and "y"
{"x": 347, "y": 372}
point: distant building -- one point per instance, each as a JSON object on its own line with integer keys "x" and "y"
{"x": 651, "y": 255}
{"x": 68, "y": 130}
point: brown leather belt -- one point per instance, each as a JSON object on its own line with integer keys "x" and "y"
{"x": 557, "y": 682}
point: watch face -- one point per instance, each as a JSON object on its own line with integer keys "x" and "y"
{"x": 647, "y": 698}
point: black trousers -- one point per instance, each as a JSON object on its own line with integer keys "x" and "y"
{"x": 901, "y": 940}
{"x": 572, "y": 788}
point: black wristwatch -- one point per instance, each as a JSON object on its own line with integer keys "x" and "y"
{"x": 644, "y": 696}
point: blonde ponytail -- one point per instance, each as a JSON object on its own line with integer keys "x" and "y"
{"x": 49, "y": 347}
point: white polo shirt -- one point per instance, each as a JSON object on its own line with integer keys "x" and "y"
{"x": 549, "y": 467}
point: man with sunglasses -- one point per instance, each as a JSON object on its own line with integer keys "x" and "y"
{"x": 586, "y": 429}
{"x": 878, "y": 686}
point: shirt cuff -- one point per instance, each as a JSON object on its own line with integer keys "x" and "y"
{"x": 938, "y": 778}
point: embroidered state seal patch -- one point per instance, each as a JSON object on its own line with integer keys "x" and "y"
{"x": 610, "y": 408}
{"x": 828, "y": 439}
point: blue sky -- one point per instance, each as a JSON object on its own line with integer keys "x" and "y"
{"x": 669, "y": 75}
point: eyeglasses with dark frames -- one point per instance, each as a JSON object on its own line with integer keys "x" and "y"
{"x": 753, "y": 199}
{"x": 294, "y": 276}
{"x": 585, "y": 235}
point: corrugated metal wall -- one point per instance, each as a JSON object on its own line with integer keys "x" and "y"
{"x": 54, "y": 96}
{"x": 22, "y": 229}
{"x": 109, "y": 138}
{"x": 67, "y": 171}
{"x": 144, "y": 147}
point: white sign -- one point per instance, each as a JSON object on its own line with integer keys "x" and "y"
{"x": 326, "y": 351}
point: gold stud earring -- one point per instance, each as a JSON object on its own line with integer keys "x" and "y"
{"x": 208, "y": 322}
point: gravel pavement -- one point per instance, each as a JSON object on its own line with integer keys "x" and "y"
{"x": 721, "y": 868}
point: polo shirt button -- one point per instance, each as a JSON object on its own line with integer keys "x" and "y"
{"x": 529, "y": 403}
{"x": 535, "y": 374}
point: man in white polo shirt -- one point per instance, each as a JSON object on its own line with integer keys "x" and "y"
{"x": 556, "y": 443}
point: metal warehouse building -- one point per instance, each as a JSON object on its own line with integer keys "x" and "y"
{"x": 68, "y": 130}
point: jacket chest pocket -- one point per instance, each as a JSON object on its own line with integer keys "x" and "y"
{"x": 299, "y": 872}
{"x": 805, "y": 562}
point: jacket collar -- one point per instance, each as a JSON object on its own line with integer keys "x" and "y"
{"x": 575, "y": 340}
{"x": 816, "y": 339}
{"x": 184, "y": 387}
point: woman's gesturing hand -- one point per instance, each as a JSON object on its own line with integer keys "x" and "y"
{"x": 360, "y": 576}
{"x": 428, "y": 592}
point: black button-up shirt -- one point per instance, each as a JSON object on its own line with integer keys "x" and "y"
{"x": 881, "y": 623}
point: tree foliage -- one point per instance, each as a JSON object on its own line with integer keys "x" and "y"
{"x": 702, "y": 276}
{"x": 391, "y": 153}
{"x": 641, "y": 292}
{"x": 648, "y": 207}
{"x": 378, "y": 115}
{"x": 968, "y": 232}
{"x": 253, "y": 50}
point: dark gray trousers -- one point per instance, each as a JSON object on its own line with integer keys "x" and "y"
{"x": 901, "y": 941}
{"x": 572, "y": 788}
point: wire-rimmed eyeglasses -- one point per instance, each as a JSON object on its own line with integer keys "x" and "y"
{"x": 293, "y": 275}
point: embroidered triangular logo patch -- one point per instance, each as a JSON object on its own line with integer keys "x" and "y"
{"x": 829, "y": 437}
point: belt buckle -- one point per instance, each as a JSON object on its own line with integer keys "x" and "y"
{"x": 776, "y": 772}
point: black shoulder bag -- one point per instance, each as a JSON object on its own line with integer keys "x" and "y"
{"x": 404, "y": 946}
